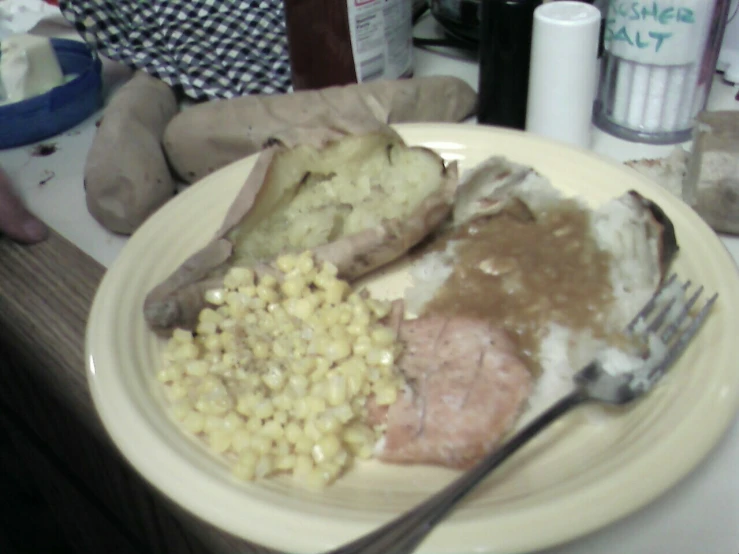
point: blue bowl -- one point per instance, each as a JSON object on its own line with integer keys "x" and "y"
{"x": 62, "y": 107}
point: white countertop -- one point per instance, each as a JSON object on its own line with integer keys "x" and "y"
{"x": 698, "y": 516}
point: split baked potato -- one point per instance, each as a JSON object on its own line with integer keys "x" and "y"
{"x": 359, "y": 202}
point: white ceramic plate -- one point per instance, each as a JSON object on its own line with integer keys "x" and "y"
{"x": 578, "y": 476}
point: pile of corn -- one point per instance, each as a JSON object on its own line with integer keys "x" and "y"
{"x": 277, "y": 376}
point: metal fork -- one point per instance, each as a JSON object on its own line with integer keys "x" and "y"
{"x": 659, "y": 333}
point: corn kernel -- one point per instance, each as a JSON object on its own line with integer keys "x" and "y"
{"x": 298, "y": 383}
{"x": 261, "y": 350}
{"x": 237, "y": 301}
{"x": 273, "y": 430}
{"x": 194, "y": 422}
{"x": 249, "y": 291}
{"x": 329, "y": 269}
{"x": 362, "y": 346}
{"x": 267, "y": 294}
{"x": 383, "y": 336}
{"x": 285, "y": 263}
{"x": 212, "y": 343}
{"x": 303, "y": 466}
{"x": 303, "y": 366}
{"x": 264, "y": 409}
{"x": 240, "y": 440}
{"x": 336, "y": 393}
{"x": 187, "y": 351}
{"x": 380, "y": 356}
{"x": 302, "y": 308}
{"x": 206, "y": 328}
{"x": 316, "y": 404}
{"x": 169, "y": 374}
{"x": 358, "y": 433}
{"x": 230, "y": 359}
{"x": 219, "y": 441}
{"x": 274, "y": 378}
{"x": 209, "y": 315}
{"x": 303, "y": 445}
{"x": 217, "y": 297}
{"x": 228, "y": 340}
{"x": 265, "y": 466}
{"x": 315, "y": 480}
{"x": 301, "y": 410}
{"x": 311, "y": 431}
{"x": 385, "y": 395}
{"x": 177, "y": 391}
{"x": 280, "y": 350}
{"x": 238, "y": 277}
{"x": 261, "y": 444}
{"x": 282, "y": 402}
{"x": 212, "y": 423}
{"x": 253, "y": 425}
{"x": 293, "y": 432}
{"x": 338, "y": 350}
{"x": 180, "y": 409}
{"x": 326, "y": 448}
{"x": 335, "y": 291}
{"x": 293, "y": 287}
{"x": 305, "y": 264}
{"x": 286, "y": 462}
{"x": 327, "y": 423}
{"x": 245, "y": 468}
{"x": 343, "y": 413}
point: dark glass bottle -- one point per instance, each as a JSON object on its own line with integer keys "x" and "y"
{"x": 505, "y": 51}
{"x": 337, "y": 42}
{"x": 319, "y": 43}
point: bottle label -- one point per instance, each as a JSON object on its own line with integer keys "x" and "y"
{"x": 382, "y": 40}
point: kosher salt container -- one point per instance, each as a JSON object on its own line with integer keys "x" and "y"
{"x": 658, "y": 62}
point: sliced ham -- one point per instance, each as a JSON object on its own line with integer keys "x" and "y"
{"x": 467, "y": 386}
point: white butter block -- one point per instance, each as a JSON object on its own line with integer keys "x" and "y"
{"x": 28, "y": 67}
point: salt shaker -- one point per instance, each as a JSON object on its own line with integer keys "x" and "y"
{"x": 658, "y": 64}
{"x": 562, "y": 78}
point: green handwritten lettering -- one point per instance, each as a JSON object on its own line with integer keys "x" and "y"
{"x": 660, "y": 38}
{"x": 653, "y": 12}
{"x": 639, "y": 42}
{"x": 608, "y": 30}
{"x": 666, "y": 15}
{"x": 623, "y": 35}
{"x": 685, "y": 15}
{"x": 620, "y": 8}
{"x": 629, "y": 22}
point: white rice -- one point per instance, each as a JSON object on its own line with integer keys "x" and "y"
{"x": 634, "y": 270}
{"x": 429, "y": 274}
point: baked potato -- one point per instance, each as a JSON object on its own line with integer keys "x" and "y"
{"x": 206, "y": 137}
{"x": 126, "y": 173}
{"x": 359, "y": 202}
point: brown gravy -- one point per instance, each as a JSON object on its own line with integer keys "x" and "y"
{"x": 524, "y": 272}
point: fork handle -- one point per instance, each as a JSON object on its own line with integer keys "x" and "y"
{"x": 403, "y": 534}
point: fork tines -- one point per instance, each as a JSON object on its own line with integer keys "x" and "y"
{"x": 668, "y": 316}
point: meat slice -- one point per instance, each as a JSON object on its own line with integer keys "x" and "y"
{"x": 467, "y": 386}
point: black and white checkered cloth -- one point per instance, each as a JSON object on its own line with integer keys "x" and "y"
{"x": 209, "y": 48}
